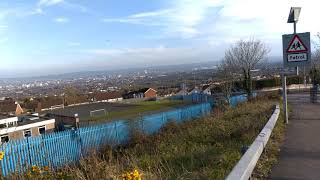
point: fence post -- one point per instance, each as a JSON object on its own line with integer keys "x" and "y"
{"x": 79, "y": 141}
{"x": 163, "y": 118}
{"x": 142, "y": 124}
{"x": 117, "y": 136}
{"x": 29, "y": 153}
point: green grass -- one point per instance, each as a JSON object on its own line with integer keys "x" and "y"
{"x": 141, "y": 108}
{"x": 201, "y": 149}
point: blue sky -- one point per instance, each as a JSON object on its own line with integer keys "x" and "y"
{"x": 40, "y": 37}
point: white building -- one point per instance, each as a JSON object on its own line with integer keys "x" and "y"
{"x": 12, "y": 128}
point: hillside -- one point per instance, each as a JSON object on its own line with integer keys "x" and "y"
{"x": 198, "y": 149}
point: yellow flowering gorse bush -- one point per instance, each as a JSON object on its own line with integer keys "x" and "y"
{"x": 1, "y": 155}
{"x": 133, "y": 175}
{"x": 35, "y": 169}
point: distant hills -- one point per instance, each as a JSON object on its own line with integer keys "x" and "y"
{"x": 128, "y": 71}
{"x": 125, "y": 71}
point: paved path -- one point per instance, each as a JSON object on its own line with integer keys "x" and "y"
{"x": 300, "y": 153}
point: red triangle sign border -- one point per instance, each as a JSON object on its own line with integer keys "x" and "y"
{"x": 294, "y": 37}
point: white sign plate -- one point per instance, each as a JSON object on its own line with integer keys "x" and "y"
{"x": 297, "y": 57}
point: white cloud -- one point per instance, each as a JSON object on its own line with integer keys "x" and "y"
{"x": 49, "y": 2}
{"x": 63, "y": 3}
{"x": 144, "y": 18}
{"x": 227, "y": 20}
{"x": 74, "y": 6}
{"x": 61, "y": 20}
{"x": 181, "y": 19}
{"x": 37, "y": 11}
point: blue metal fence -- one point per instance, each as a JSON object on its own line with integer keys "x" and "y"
{"x": 195, "y": 97}
{"x": 57, "y": 149}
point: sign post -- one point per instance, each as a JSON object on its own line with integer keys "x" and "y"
{"x": 296, "y": 52}
{"x": 284, "y": 97}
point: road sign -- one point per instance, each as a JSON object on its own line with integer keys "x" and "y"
{"x": 296, "y": 49}
{"x": 296, "y": 45}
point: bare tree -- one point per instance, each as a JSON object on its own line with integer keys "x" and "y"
{"x": 316, "y": 52}
{"x": 315, "y": 66}
{"x": 227, "y": 80}
{"x": 70, "y": 95}
{"x": 243, "y": 57}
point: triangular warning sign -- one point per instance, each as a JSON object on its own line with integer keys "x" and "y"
{"x": 296, "y": 45}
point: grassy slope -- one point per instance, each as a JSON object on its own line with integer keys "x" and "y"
{"x": 201, "y": 149}
{"x": 140, "y": 108}
{"x": 204, "y": 149}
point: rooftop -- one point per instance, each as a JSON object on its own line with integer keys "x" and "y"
{"x": 29, "y": 119}
{"x": 21, "y": 120}
{"x": 5, "y": 116}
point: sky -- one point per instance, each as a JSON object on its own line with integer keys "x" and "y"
{"x": 39, "y": 37}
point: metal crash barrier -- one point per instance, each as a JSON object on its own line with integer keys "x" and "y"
{"x": 247, "y": 163}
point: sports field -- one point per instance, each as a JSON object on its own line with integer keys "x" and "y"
{"x": 109, "y": 111}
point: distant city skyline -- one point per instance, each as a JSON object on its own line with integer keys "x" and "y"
{"x": 39, "y": 37}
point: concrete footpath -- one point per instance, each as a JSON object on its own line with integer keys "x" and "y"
{"x": 300, "y": 152}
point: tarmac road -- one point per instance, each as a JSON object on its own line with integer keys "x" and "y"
{"x": 300, "y": 152}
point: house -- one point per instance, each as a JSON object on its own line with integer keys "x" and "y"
{"x": 206, "y": 89}
{"x": 48, "y": 102}
{"x": 182, "y": 92}
{"x": 7, "y": 105}
{"x": 64, "y": 121}
{"x": 146, "y": 93}
{"x": 108, "y": 97}
{"x": 195, "y": 90}
{"x": 19, "y": 110}
{"x": 27, "y": 125}
{"x": 78, "y": 99}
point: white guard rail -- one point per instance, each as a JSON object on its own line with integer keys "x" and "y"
{"x": 247, "y": 163}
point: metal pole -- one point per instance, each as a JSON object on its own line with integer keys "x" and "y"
{"x": 284, "y": 85}
{"x": 284, "y": 96}
{"x": 304, "y": 77}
